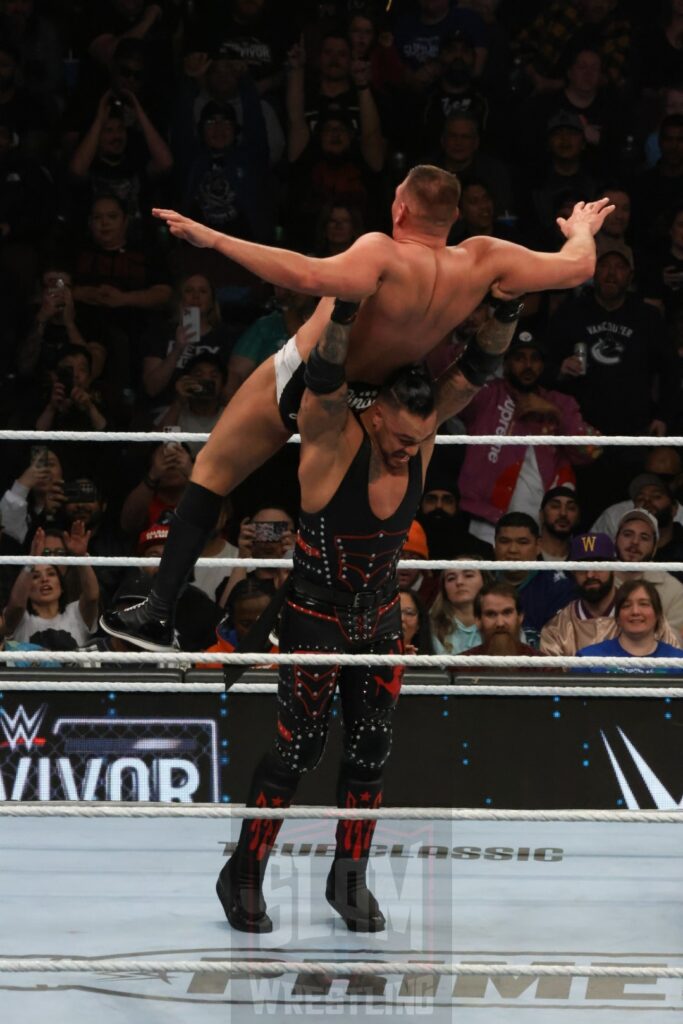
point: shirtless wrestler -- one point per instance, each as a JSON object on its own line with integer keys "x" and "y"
{"x": 415, "y": 290}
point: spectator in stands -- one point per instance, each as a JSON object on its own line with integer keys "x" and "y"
{"x": 560, "y": 514}
{"x": 459, "y": 153}
{"x": 663, "y": 279}
{"x": 38, "y": 45}
{"x": 160, "y": 489}
{"x": 120, "y": 159}
{"x": 626, "y": 355}
{"x": 227, "y": 183}
{"x": 561, "y": 25}
{"x": 74, "y": 404}
{"x": 636, "y": 541}
{"x": 417, "y": 637}
{"x": 267, "y": 334}
{"x": 118, "y": 286}
{"x": 654, "y": 494}
{"x": 245, "y": 606}
{"x": 36, "y": 610}
{"x": 418, "y": 581}
{"x": 445, "y": 525}
{"x": 616, "y": 228}
{"x": 454, "y": 90}
{"x": 84, "y": 502}
{"x": 663, "y": 462}
{"x": 27, "y": 206}
{"x": 661, "y": 46}
{"x": 454, "y": 624}
{"x": 419, "y": 33}
{"x": 542, "y": 593}
{"x": 54, "y": 326}
{"x": 26, "y": 114}
{"x": 341, "y": 90}
{"x": 36, "y": 496}
{"x": 196, "y": 615}
{"x": 658, "y": 190}
{"x": 590, "y": 618}
{"x": 268, "y": 533}
{"x": 109, "y": 22}
{"x": 10, "y": 646}
{"x": 499, "y": 618}
{"x": 171, "y": 346}
{"x": 567, "y": 170}
{"x": 370, "y": 44}
{"x": 199, "y": 400}
{"x": 495, "y": 480}
{"x": 639, "y": 615}
{"x": 338, "y": 228}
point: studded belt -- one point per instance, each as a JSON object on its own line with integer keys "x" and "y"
{"x": 363, "y": 600}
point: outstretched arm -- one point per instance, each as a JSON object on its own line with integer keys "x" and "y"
{"x": 515, "y": 269}
{"x": 351, "y": 276}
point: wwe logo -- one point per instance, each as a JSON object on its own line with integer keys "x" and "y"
{"x": 661, "y": 798}
{"x": 21, "y": 729}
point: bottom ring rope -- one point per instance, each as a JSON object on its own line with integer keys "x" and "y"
{"x": 95, "y": 809}
{"x": 330, "y": 969}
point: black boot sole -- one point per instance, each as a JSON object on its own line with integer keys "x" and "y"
{"x": 375, "y": 923}
{"x": 137, "y": 641}
{"x": 237, "y": 915}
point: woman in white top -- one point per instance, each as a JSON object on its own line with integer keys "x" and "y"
{"x": 454, "y": 626}
{"x": 37, "y": 611}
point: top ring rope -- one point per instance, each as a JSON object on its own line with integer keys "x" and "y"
{"x": 187, "y": 658}
{"x": 521, "y": 440}
{"x": 409, "y": 563}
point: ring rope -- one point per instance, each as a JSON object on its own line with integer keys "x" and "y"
{"x": 326, "y": 968}
{"x": 542, "y": 440}
{"x": 411, "y": 563}
{"x": 110, "y": 809}
{"x": 407, "y": 690}
{"x": 335, "y": 658}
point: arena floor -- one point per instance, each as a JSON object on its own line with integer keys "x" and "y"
{"x": 518, "y": 893}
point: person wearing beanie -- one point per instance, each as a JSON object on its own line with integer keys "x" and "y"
{"x": 636, "y": 541}
{"x": 559, "y": 517}
{"x": 419, "y": 581}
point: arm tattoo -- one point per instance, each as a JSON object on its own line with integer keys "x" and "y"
{"x": 334, "y": 344}
{"x": 494, "y": 337}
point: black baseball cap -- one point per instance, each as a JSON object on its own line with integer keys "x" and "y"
{"x": 562, "y": 491}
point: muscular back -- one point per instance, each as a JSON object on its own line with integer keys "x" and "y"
{"x": 423, "y": 294}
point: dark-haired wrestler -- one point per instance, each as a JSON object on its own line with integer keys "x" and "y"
{"x": 362, "y": 476}
{"x": 414, "y": 291}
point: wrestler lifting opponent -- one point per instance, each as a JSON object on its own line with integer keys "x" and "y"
{"x": 362, "y": 476}
{"x": 415, "y": 289}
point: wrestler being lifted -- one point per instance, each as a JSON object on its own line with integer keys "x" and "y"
{"x": 413, "y": 289}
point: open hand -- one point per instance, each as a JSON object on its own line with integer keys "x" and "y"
{"x": 189, "y": 230}
{"x": 76, "y": 542}
{"x": 585, "y": 215}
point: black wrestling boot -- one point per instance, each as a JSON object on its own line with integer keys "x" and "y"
{"x": 240, "y": 883}
{"x": 346, "y": 890}
{"x": 151, "y": 624}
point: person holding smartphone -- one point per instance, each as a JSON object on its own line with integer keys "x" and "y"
{"x": 72, "y": 404}
{"x": 269, "y": 532}
{"x": 198, "y": 401}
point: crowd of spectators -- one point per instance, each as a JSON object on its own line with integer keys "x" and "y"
{"x": 291, "y": 124}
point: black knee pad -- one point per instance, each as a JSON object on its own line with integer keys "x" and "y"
{"x": 368, "y": 744}
{"x": 302, "y": 748}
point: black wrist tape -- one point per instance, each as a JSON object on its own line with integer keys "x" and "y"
{"x": 321, "y": 376}
{"x": 476, "y": 365}
{"x": 506, "y": 310}
{"x": 344, "y": 312}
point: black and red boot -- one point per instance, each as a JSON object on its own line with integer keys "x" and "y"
{"x": 346, "y": 890}
{"x": 240, "y": 883}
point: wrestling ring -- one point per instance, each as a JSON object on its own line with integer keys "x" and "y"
{"x": 493, "y": 914}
